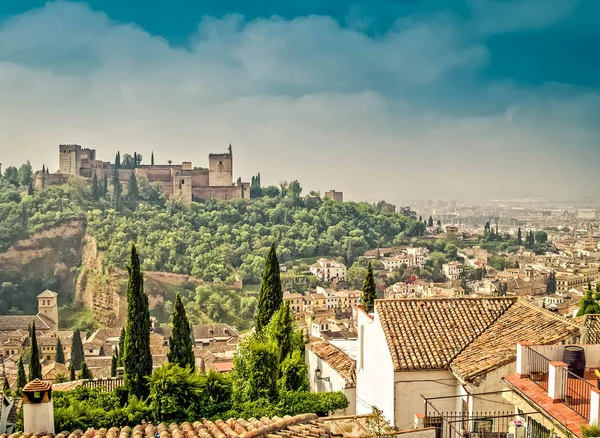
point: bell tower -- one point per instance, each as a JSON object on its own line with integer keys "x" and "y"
{"x": 48, "y": 306}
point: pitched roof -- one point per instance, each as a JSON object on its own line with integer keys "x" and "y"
{"x": 47, "y": 294}
{"x": 9, "y": 323}
{"x": 337, "y": 359}
{"x": 219, "y": 330}
{"x": 300, "y": 426}
{"x": 470, "y": 336}
{"x": 497, "y": 344}
{"x": 429, "y": 333}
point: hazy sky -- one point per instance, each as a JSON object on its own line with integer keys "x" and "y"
{"x": 394, "y": 99}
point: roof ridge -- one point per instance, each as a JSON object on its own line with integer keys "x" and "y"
{"x": 451, "y": 299}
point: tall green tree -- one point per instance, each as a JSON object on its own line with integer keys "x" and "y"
{"x": 152, "y": 159}
{"x": 117, "y": 189}
{"x": 35, "y": 366}
{"x": 96, "y": 189}
{"x": 369, "y": 291}
{"x": 85, "y": 372}
{"x": 551, "y": 284}
{"x": 137, "y": 360}
{"x": 71, "y": 372}
{"x": 60, "y": 353}
{"x": 281, "y": 329}
{"x": 430, "y": 222}
{"x": 105, "y": 186}
{"x": 270, "y": 296}
{"x": 30, "y": 189}
{"x": 6, "y": 387}
{"x": 180, "y": 342}
{"x": 121, "y": 348}
{"x": 113, "y": 366}
{"x": 519, "y": 237}
{"x": 77, "y": 355}
{"x": 21, "y": 378}
{"x": 25, "y": 174}
{"x": 133, "y": 191}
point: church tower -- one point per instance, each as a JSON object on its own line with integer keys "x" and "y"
{"x": 48, "y": 306}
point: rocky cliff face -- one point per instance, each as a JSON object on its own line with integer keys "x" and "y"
{"x": 100, "y": 289}
{"x": 49, "y": 253}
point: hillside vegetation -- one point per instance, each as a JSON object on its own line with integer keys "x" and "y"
{"x": 216, "y": 241}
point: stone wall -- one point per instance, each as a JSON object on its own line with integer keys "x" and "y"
{"x": 223, "y": 193}
{"x": 220, "y": 167}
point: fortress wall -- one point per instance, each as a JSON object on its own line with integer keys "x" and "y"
{"x": 200, "y": 177}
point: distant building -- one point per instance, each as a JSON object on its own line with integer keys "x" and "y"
{"x": 329, "y": 270}
{"x": 216, "y": 182}
{"x": 336, "y": 196}
{"x": 452, "y": 270}
{"x": 586, "y": 213}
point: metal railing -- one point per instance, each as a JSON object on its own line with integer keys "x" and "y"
{"x": 538, "y": 368}
{"x": 577, "y": 393}
{"x": 108, "y": 384}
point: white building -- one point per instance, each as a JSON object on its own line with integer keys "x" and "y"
{"x": 329, "y": 270}
{"x": 452, "y": 270}
{"x": 586, "y": 213}
{"x": 396, "y": 262}
{"x": 455, "y": 348}
{"x": 330, "y": 370}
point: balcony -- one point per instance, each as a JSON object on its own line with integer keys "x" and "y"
{"x": 544, "y": 380}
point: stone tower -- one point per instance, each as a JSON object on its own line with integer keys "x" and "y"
{"x": 69, "y": 159}
{"x": 220, "y": 169}
{"x": 48, "y": 306}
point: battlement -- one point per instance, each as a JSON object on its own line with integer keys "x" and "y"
{"x": 69, "y": 147}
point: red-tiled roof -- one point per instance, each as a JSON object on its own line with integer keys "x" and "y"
{"x": 337, "y": 359}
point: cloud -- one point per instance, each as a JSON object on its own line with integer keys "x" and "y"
{"x": 500, "y": 16}
{"x": 301, "y": 99}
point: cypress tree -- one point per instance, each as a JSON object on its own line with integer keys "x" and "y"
{"x": 137, "y": 359}
{"x": 30, "y": 189}
{"x": 152, "y": 159}
{"x": 105, "y": 186}
{"x": 180, "y": 341}
{"x": 60, "y": 354}
{"x": 117, "y": 189}
{"x": 77, "y": 355}
{"x": 21, "y": 378}
{"x": 71, "y": 372}
{"x": 282, "y": 325}
{"x": 24, "y": 216}
{"x": 133, "y": 192}
{"x": 85, "y": 373}
{"x": 6, "y": 387}
{"x": 113, "y": 366}
{"x": 121, "y": 348}
{"x": 135, "y": 160}
{"x": 43, "y": 168}
{"x": 95, "y": 188}
{"x": 430, "y": 222}
{"x": 369, "y": 291}
{"x": 35, "y": 366}
{"x": 270, "y": 296}
{"x": 519, "y": 237}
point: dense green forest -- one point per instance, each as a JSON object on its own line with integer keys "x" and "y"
{"x": 209, "y": 239}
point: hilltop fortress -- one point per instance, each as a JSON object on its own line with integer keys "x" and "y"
{"x": 216, "y": 182}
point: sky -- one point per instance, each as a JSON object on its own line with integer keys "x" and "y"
{"x": 380, "y": 99}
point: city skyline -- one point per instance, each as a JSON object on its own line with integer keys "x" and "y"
{"x": 415, "y": 99}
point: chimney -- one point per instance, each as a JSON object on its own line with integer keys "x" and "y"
{"x": 38, "y": 409}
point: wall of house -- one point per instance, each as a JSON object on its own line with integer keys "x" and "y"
{"x": 490, "y": 382}
{"x": 412, "y": 386}
{"x": 418, "y": 433}
{"x": 336, "y": 383}
{"x": 555, "y": 353}
{"x": 374, "y": 369}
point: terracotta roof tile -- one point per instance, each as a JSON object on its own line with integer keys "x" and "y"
{"x": 497, "y": 344}
{"x": 302, "y": 426}
{"x": 337, "y": 359}
{"x": 430, "y": 333}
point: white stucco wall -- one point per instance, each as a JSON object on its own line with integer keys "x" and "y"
{"x": 38, "y": 417}
{"x": 336, "y": 383}
{"x": 491, "y": 382}
{"x": 374, "y": 369}
{"x": 411, "y": 386}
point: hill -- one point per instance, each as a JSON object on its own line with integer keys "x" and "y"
{"x": 218, "y": 242}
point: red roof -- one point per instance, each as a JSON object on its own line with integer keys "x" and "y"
{"x": 222, "y": 367}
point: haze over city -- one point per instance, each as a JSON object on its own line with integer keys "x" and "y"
{"x": 381, "y": 100}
